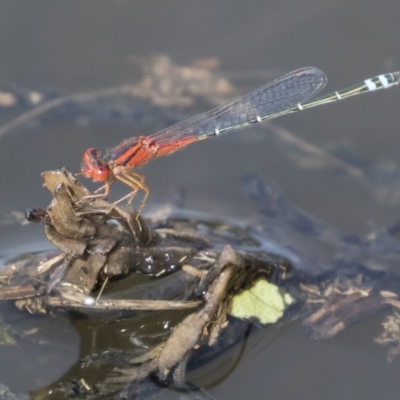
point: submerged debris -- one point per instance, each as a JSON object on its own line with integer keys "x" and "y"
{"x": 102, "y": 243}
{"x": 391, "y": 336}
{"x": 194, "y": 271}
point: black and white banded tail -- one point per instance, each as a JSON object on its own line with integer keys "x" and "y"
{"x": 383, "y": 81}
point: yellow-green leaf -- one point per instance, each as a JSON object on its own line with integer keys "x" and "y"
{"x": 264, "y": 301}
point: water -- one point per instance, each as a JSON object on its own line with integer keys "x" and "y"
{"x": 75, "y": 47}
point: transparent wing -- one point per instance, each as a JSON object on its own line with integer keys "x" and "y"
{"x": 282, "y": 94}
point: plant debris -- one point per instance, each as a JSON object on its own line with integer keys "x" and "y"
{"x": 101, "y": 244}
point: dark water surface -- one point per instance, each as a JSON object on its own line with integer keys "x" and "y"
{"x": 75, "y": 47}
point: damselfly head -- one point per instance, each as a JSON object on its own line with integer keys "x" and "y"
{"x": 93, "y": 166}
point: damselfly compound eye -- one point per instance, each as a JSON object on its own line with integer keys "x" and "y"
{"x": 100, "y": 174}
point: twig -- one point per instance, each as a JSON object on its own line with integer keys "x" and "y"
{"x": 149, "y": 305}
